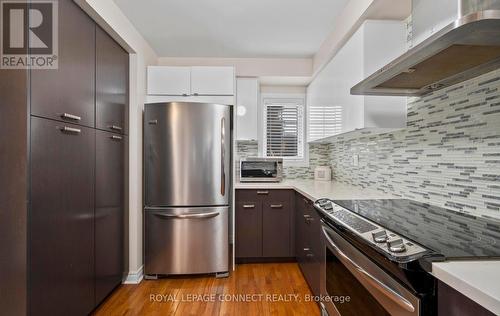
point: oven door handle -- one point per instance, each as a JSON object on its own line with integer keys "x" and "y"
{"x": 387, "y": 291}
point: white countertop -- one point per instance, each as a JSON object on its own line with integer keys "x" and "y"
{"x": 315, "y": 190}
{"x": 478, "y": 280}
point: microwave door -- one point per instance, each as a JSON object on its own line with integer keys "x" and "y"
{"x": 259, "y": 169}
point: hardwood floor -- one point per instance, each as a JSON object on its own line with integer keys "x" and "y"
{"x": 277, "y": 288}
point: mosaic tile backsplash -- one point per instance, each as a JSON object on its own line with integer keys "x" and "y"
{"x": 449, "y": 154}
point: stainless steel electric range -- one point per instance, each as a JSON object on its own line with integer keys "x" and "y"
{"x": 378, "y": 253}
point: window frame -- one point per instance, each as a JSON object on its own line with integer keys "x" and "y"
{"x": 296, "y": 99}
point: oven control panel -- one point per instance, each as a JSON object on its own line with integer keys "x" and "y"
{"x": 388, "y": 242}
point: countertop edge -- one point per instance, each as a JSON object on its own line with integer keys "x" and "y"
{"x": 446, "y": 272}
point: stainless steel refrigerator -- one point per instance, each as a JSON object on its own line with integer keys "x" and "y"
{"x": 187, "y": 168}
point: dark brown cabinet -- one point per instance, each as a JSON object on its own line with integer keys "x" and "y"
{"x": 276, "y": 223}
{"x": 62, "y": 212}
{"x": 111, "y": 84}
{"x": 453, "y": 303}
{"x": 308, "y": 241}
{"x": 264, "y": 225}
{"x": 68, "y": 93}
{"x": 109, "y": 212}
{"x": 63, "y": 195}
{"x": 248, "y": 229}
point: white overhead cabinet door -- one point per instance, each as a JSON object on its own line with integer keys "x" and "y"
{"x": 212, "y": 81}
{"x": 164, "y": 80}
{"x": 247, "y": 100}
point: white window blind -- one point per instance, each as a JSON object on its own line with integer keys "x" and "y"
{"x": 284, "y": 129}
{"x": 324, "y": 121}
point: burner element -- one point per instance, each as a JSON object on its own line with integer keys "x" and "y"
{"x": 380, "y": 236}
{"x": 396, "y": 245}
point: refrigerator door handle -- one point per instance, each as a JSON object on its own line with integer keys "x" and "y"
{"x": 187, "y": 216}
{"x": 223, "y": 157}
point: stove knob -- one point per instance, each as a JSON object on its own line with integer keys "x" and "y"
{"x": 380, "y": 236}
{"x": 396, "y": 245}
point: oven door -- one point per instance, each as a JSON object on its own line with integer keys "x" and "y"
{"x": 354, "y": 285}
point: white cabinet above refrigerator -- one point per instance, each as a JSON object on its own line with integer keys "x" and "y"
{"x": 191, "y": 81}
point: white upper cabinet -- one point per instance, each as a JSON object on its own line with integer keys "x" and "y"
{"x": 164, "y": 80}
{"x": 190, "y": 81}
{"x": 430, "y": 16}
{"x": 212, "y": 80}
{"x": 332, "y": 109}
{"x": 247, "y": 101}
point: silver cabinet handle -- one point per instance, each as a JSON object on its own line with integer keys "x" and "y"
{"x": 276, "y": 205}
{"x": 72, "y": 130}
{"x": 387, "y": 291}
{"x": 188, "y": 216}
{"x": 223, "y": 157}
{"x": 248, "y": 205}
{"x": 71, "y": 117}
{"x": 153, "y": 122}
{"x": 116, "y": 128}
{"x": 262, "y": 192}
{"x": 307, "y": 249}
{"x": 116, "y": 137}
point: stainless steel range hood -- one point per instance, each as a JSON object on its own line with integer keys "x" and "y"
{"x": 464, "y": 49}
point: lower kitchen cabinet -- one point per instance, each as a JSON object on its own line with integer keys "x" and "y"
{"x": 264, "y": 224}
{"x": 308, "y": 241}
{"x": 109, "y": 212}
{"x": 248, "y": 229}
{"x": 61, "y": 218}
{"x": 453, "y": 303}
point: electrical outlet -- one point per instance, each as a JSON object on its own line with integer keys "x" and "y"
{"x": 355, "y": 160}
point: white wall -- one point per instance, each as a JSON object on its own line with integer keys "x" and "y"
{"x": 111, "y": 18}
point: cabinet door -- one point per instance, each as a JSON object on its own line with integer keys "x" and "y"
{"x": 276, "y": 228}
{"x": 67, "y": 93}
{"x": 109, "y": 212}
{"x": 62, "y": 218}
{"x": 247, "y": 100}
{"x": 248, "y": 229}
{"x": 301, "y": 240}
{"x": 111, "y": 84}
{"x": 212, "y": 80}
{"x": 163, "y": 80}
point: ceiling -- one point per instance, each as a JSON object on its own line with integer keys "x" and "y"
{"x": 233, "y": 28}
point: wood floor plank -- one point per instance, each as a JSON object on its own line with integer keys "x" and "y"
{"x": 253, "y": 289}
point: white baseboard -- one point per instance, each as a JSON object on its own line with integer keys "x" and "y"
{"x": 135, "y": 277}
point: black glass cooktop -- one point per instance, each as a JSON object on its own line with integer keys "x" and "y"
{"x": 451, "y": 234}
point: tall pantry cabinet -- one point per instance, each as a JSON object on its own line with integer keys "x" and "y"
{"x": 63, "y": 194}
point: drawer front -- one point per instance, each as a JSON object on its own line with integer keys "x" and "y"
{"x": 270, "y": 195}
{"x": 179, "y": 241}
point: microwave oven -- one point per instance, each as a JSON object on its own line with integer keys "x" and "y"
{"x": 261, "y": 169}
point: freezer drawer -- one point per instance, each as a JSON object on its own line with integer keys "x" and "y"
{"x": 186, "y": 240}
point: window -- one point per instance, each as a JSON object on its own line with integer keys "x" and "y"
{"x": 284, "y": 128}
{"x": 324, "y": 121}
